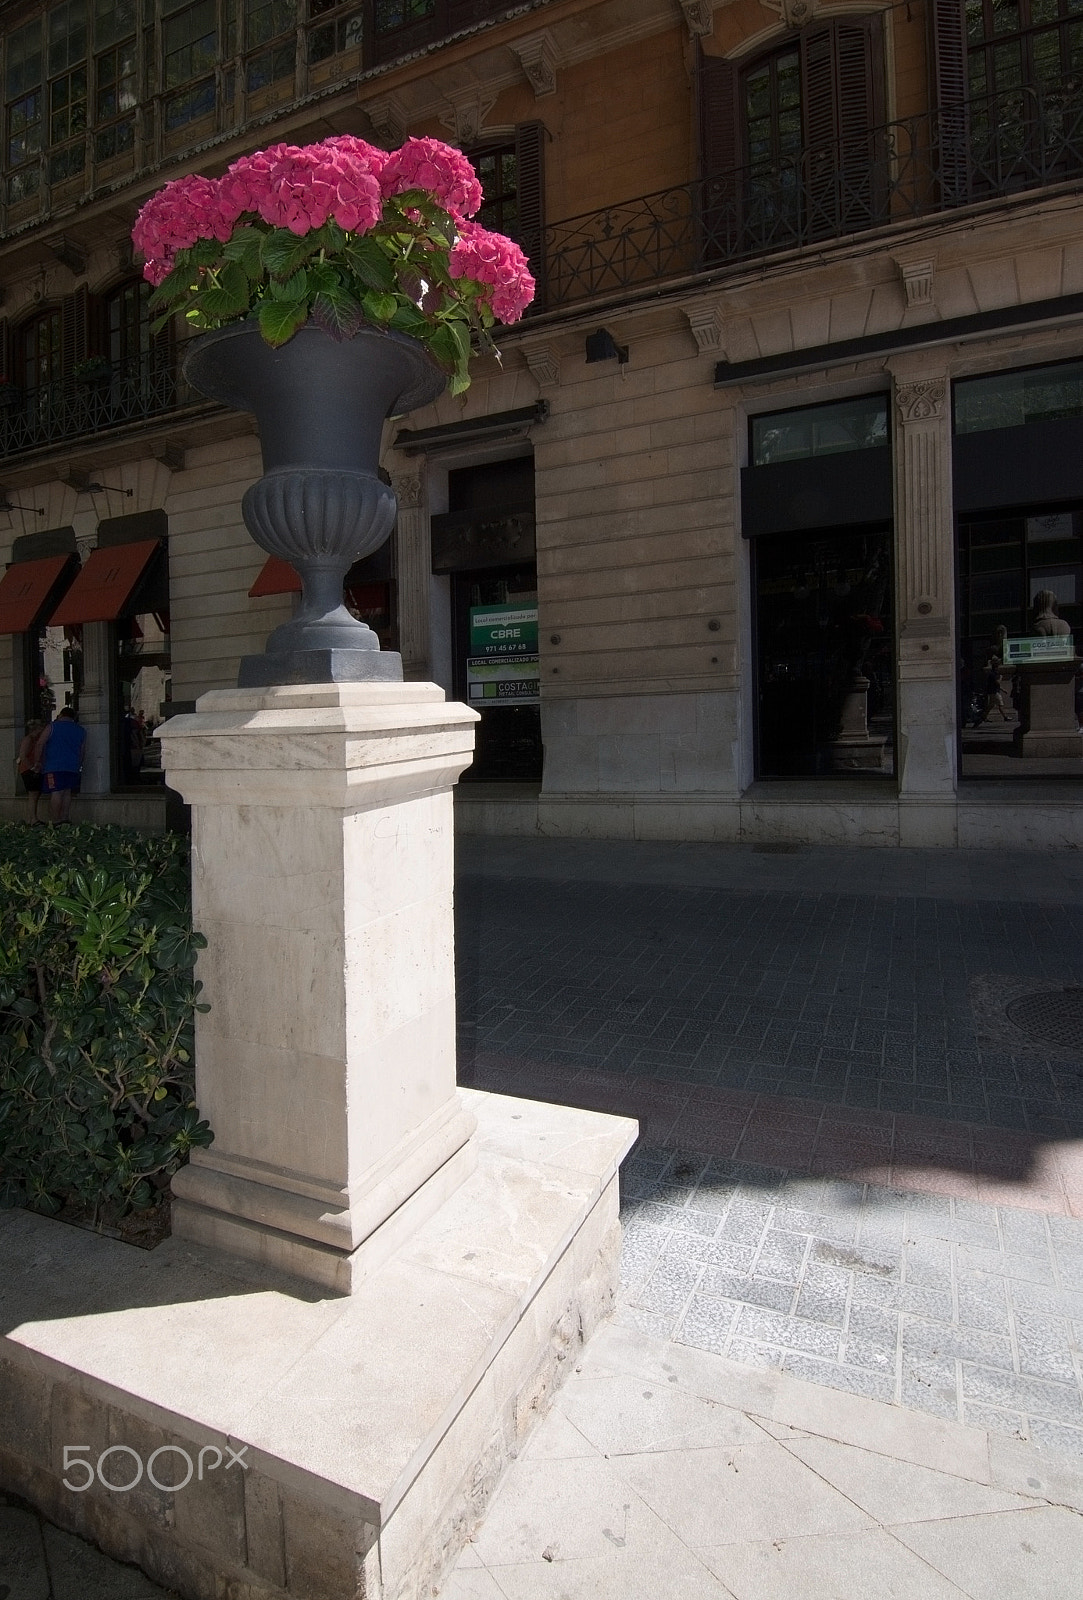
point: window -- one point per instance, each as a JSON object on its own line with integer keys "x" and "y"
{"x": 23, "y": 93}
{"x": 1018, "y": 44}
{"x": 42, "y": 342}
{"x": 1011, "y": 399}
{"x": 270, "y": 23}
{"x": 498, "y": 173}
{"x": 342, "y": 30}
{"x": 792, "y": 145}
{"x": 859, "y": 424}
{"x": 116, "y": 77}
{"x": 390, "y": 15}
{"x": 189, "y": 53}
{"x": 66, "y": 29}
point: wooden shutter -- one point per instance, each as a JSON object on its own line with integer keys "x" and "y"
{"x": 720, "y": 191}
{"x": 530, "y": 188}
{"x": 75, "y": 329}
{"x": 845, "y": 177}
{"x": 7, "y": 353}
{"x": 949, "y": 86}
{"x": 717, "y": 107}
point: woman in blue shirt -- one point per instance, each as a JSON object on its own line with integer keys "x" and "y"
{"x": 62, "y": 750}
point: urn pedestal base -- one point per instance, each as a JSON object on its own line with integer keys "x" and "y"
{"x": 319, "y": 666}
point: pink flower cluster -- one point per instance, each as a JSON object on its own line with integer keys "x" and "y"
{"x": 439, "y": 169}
{"x": 497, "y": 263}
{"x": 288, "y": 186}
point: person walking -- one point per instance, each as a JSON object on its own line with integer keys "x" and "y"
{"x": 63, "y": 746}
{"x": 26, "y": 765}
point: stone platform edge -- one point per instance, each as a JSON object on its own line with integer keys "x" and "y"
{"x": 374, "y": 1427}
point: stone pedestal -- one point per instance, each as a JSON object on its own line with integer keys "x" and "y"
{"x": 322, "y": 881}
{"x": 854, "y": 749}
{"x": 1047, "y": 720}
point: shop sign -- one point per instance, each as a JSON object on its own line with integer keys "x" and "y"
{"x": 1052, "y": 647}
{"x": 502, "y": 668}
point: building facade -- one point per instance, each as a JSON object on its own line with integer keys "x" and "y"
{"x": 752, "y": 530}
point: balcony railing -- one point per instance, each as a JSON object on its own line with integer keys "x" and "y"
{"x": 998, "y": 146}
{"x": 138, "y": 389}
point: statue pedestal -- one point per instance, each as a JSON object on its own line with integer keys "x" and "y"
{"x": 322, "y": 881}
{"x": 1047, "y": 722}
{"x": 854, "y": 749}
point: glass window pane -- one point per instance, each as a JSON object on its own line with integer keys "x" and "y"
{"x": 858, "y": 424}
{"x": 1010, "y": 399}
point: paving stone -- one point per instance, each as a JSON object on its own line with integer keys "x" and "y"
{"x": 1056, "y": 1402}
{"x": 1045, "y": 1346}
{"x": 753, "y": 1291}
{"x": 781, "y": 1255}
{"x": 1057, "y": 1438}
{"x": 855, "y": 1380}
{"x": 790, "y": 1333}
{"x": 941, "y": 1342}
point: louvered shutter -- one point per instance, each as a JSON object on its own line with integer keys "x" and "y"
{"x": 948, "y": 24}
{"x": 75, "y": 329}
{"x": 717, "y": 107}
{"x": 530, "y": 187}
{"x": 845, "y": 151}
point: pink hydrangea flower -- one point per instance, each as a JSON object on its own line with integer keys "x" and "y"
{"x": 437, "y": 167}
{"x": 498, "y": 264}
{"x": 173, "y": 219}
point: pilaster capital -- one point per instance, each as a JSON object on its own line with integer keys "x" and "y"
{"x": 408, "y": 490}
{"x": 921, "y": 401}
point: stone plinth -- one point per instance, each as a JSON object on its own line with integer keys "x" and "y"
{"x": 371, "y": 1429}
{"x": 322, "y": 881}
{"x": 1047, "y": 720}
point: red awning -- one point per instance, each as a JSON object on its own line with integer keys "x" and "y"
{"x": 27, "y": 589}
{"x": 276, "y": 577}
{"x": 106, "y": 583}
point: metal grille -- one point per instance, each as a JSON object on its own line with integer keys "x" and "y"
{"x": 1053, "y": 1017}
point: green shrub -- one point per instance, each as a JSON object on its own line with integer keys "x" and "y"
{"x": 97, "y": 998}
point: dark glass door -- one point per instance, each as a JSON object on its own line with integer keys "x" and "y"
{"x": 824, "y": 654}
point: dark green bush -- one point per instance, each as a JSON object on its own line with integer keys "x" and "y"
{"x": 97, "y": 998}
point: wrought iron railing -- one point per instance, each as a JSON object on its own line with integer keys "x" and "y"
{"x": 997, "y": 146}
{"x": 138, "y": 389}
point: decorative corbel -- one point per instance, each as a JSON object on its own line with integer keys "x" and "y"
{"x": 539, "y": 58}
{"x": 706, "y": 324}
{"x": 917, "y": 281}
{"x": 388, "y": 119}
{"x": 794, "y": 13}
{"x": 698, "y": 16}
{"x": 70, "y": 255}
{"x": 464, "y": 116}
{"x": 544, "y": 365}
{"x": 172, "y": 456}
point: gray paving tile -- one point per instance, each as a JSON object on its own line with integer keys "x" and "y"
{"x": 930, "y": 1386}
{"x": 941, "y": 1342}
{"x": 791, "y": 1333}
{"x": 1056, "y": 1402}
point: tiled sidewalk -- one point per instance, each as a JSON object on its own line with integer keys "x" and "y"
{"x": 852, "y": 1166}
{"x": 971, "y": 1312}
{"x": 667, "y": 1471}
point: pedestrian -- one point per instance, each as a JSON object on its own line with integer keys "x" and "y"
{"x": 26, "y": 765}
{"x": 62, "y": 748}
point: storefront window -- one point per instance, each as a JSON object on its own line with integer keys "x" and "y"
{"x": 825, "y": 649}
{"x": 1021, "y": 610}
{"x": 143, "y": 690}
{"x": 858, "y": 424}
{"x": 54, "y": 673}
{"x": 1013, "y": 399}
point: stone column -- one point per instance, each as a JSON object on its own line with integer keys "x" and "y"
{"x": 94, "y": 707}
{"x": 926, "y": 632}
{"x": 322, "y": 881}
{"x": 413, "y": 572}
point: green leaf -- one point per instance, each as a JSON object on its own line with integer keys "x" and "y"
{"x": 370, "y": 264}
{"x": 283, "y": 252}
{"x": 380, "y": 308}
{"x": 230, "y": 297}
{"x": 295, "y": 288}
{"x": 279, "y": 320}
{"x": 338, "y": 313}
{"x": 408, "y": 319}
{"x": 246, "y": 248}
